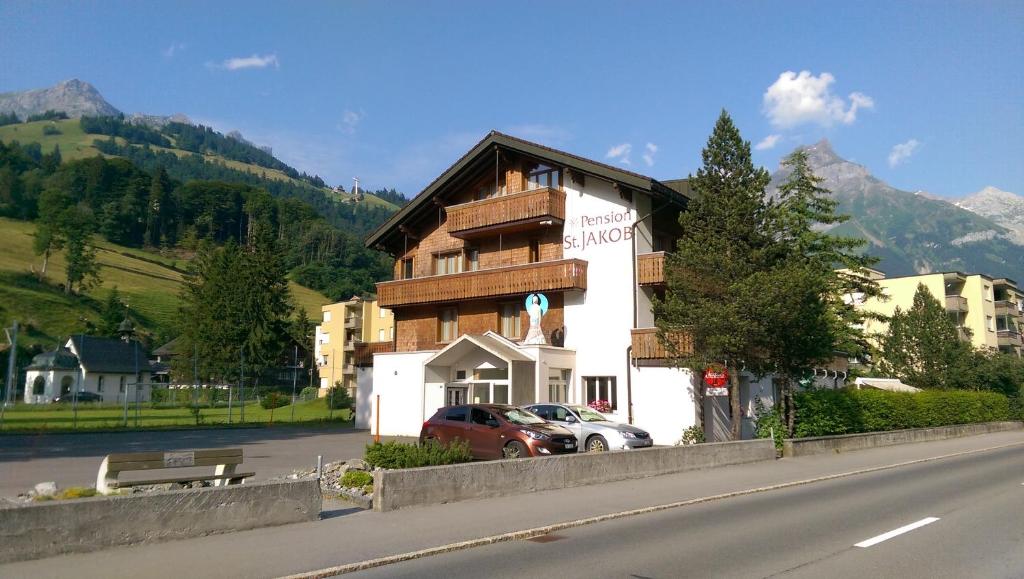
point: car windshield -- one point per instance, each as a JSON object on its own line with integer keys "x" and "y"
{"x": 590, "y": 415}
{"x": 520, "y": 416}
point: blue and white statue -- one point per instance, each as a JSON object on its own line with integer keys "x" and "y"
{"x": 536, "y": 307}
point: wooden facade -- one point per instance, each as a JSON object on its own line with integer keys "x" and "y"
{"x": 364, "y": 351}
{"x": 650, "y": 268}
{"x": 516, "y": 211}
{"x": 646, "y": 345}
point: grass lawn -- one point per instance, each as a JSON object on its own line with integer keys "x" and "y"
{"x": 41, "y": 417}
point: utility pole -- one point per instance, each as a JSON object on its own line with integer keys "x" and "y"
{"x": 12, "y": 380}
{"x": 241, "y": 381}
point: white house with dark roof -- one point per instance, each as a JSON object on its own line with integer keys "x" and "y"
{"x": 113, "y": 368}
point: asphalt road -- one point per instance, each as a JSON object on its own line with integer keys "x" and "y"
{"x": 73, "y": 459}
{"x": 808, "y": 531}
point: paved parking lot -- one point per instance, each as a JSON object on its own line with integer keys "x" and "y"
{"x": 73, "y": 459}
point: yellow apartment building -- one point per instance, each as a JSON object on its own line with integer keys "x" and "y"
{"x": 989, "y": 311}
{"x": 347, "y": 337}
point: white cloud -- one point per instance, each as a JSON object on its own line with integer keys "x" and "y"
{"x": 795, "y": 99}
{"x": 350, "y": 120}
{"x": 768, "y": 142}
{"x": 902, "y": 152}
{"x": 173, "y": 48}
{"x": 254, "y": 61}
{"x": 649, "y": 150}
{"x": 620, "y": 153}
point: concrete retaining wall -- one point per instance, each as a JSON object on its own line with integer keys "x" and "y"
{"x": 851, "y": 442}
{"x": 395, "y": 489}
{"x": 80, "y": 525}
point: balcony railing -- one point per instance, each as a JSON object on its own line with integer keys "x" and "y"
{"x": 560, "y": 275}
{"x": 353, "y": 322}
{"x": 1007, "y": 308}
{"x": 650, "y": 268}
{"x": 1008, "y": 338}
{"x": 365, "y": 351}
{"x": 348, "y": 369}
{"x": 956, "y": 304}
{"x": 506, "y": 213}
{"x": 646, "y": 345}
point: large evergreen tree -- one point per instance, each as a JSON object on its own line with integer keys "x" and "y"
{"x": 712, "y": 292}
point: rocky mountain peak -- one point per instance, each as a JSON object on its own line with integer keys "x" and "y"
{"x": 74, "y": 97}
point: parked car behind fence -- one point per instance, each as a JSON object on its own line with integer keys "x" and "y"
{"x": 498, "y": 431}
{"x": 593, "y": 431}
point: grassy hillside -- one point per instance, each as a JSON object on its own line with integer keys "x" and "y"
{"x": 76, "y": 144}
{"x": 148, "y": 282}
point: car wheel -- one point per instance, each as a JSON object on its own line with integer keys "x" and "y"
{"x": 597, "y": 443}
{"x": 514, "y": 449}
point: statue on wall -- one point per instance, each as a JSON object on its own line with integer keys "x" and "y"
{"x": 536, "y": 307}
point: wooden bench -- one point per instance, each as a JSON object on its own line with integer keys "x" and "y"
{"x": 223, "y": 459}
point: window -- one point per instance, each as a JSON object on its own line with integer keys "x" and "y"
{"x": 541, "y": 175}
{"x": 449, "y": 325}
{"x": 482, "y": 417}
{"x": 392, "y": 337}
{"x": 383, "y": 313}
{"x": 510, "y": 326}
{"x": 380, "y": 335}
{"x": 488, "y": 188}
{"x": 445, "y": 263}
{"x": 500, "y": 394}
{"x": 988, "y": 293}
{"x": 542, "y": 411}
{"x": 38, "y": 386}
{"x": 99, "y": 383}
{"x": 600, "y": 388}
{"x": 490, "y": 374}
{"x": 534, "y": 251}
{"x": 472, "y": 259}
{"x": 990, "y": 323}
{"x": 457, "y": 414}
{"x": 407, "y": 268}
{"x": 121, "y": 386}
{"x": 558, "y": 385}
{"x": 327, "y": 316}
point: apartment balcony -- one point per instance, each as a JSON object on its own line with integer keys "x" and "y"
{"x": 1007, "y": 308}
{"x": 353, "y": 322}
{"x": 350, "y": 346}
{"x": 365, "y": 351}
{"x": 507, "y": 213}
{"x": 1008, "y": 338}
{"x": 650, "y": 268}
{"x": 646, "y": 345}
{"x": 559, "y": 275}
{"x": 956, "y": 304}
{"x": 348, "y": 369}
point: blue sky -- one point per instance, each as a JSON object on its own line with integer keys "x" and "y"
{"x": 928, "y": 95}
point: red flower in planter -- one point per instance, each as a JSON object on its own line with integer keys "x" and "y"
{"x": 602, "y": 406}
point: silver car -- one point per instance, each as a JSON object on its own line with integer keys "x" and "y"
{"x": 592, "y": 429}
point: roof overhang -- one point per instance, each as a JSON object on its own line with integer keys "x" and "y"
{"x": 467, "y": 343}
{"x": 482, "y": 154}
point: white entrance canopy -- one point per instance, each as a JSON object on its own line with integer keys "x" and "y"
{"x": 890, "y": 384}
{"x": 467, "y": 343}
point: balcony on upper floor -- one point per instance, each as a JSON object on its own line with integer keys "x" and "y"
{"x": 1007, "y": 308}
{"x": 353, "y": 322}
{"x": 521, "y": 211}
{"x": 646, "y": 345}
{"x": 557, "y": 275}
{"x": 956, "y": 304}
{"x": 1008, "y": 338}
{"x": 650, "y": 268}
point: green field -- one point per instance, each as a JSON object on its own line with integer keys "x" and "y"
{"x": 76, "y": 144}
{"x": 42, "y": 417}
{"x": 149, "y": 282}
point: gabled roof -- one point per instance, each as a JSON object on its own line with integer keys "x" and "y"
{"x": 489, "y": 342}
{"x": 110, "y": 354}
{"x": 678, "y": 193}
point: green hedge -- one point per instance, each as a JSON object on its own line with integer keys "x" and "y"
{"x": 400, "y": 455}
{"x": 828, "y": 412}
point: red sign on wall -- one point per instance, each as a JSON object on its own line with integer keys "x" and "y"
{"x": 716, "y": 378}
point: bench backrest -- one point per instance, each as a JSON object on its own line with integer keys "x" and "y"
{"x": 125, "y": 461}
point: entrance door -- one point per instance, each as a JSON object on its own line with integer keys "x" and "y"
{"x": 455, "y": 395}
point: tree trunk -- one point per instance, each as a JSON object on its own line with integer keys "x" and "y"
{"x": 790, "y": 409}
{"x": 735, "y": 415}
{"x": 46, "y": 259}
{"x": 698, "y": 397}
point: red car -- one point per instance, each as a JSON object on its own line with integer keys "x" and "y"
{"x": 498, "y": 431}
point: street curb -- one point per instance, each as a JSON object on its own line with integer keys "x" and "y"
{"x": 544, "y": 530}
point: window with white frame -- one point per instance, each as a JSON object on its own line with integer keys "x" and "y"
{"x": 446, "y": 263}
{"x": 327, "y": 316}
{"x": 558, "y": 385}
{"x": 448, "y": 325}
{"x": 600, "y": 388}
{"x": 510, "y": 326}
{"x": 380, "y": 335}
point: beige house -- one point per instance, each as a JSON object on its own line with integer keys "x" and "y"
{"x": 989, "y": 311}
{"x": 347, "y": 337}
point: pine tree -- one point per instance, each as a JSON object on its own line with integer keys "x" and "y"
{"x": 712, "y": 291}
{"x": 159, "y": 208}
{"x": 81, "y": 269}
{"x": 112, "y": 314}
{"x": 923, "y": 347}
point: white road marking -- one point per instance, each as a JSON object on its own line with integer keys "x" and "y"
{"x": 896, "y": 532}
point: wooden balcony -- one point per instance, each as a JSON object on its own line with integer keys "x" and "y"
{"x": 365, "y": 351}
{"x": 647, "y": 347}
{"x": 650, "y": 268}
{"x": 560, "y": 275}
{"x": 507, "y": 213}
{"x": 956, "y": 304}
{"x": 1007, "y": 308}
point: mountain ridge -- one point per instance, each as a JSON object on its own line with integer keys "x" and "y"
{"x": 73, "y": 96}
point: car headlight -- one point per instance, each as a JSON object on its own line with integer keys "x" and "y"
{"x": 534, "y": 434}
{"x": 627, "y": 434}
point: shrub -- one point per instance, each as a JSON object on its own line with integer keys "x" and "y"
{"x": 356, "y": 478}
{"x": 828, "y": 412}
{"x": 693, "y": 435}
{"x": 401, "y": 455}
{"x": 768, "y": 423}
{"x": 51, "y": 130}
{"x": 338, "y": 397}
{"x": 308, "y": 393}
{"x": 274, "y": 400}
